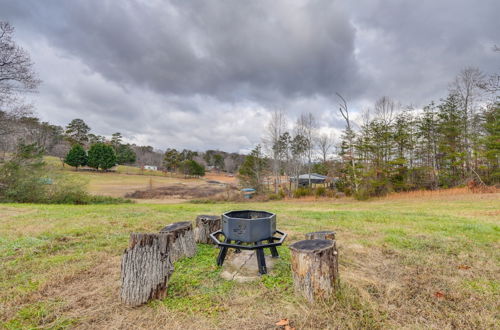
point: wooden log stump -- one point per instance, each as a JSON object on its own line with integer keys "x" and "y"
{"x": 205, "y": 225}
{"x": 182, "y": 240}
{"x": 324, "y": 234}
{"x": 145, "y": 268}
{"x": 314, "y": 268}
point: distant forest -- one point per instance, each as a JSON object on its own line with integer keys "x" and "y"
{"x": 57, "y": 141}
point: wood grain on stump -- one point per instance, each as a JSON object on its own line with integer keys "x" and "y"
{"x": 314, "y": 268}
{"x": 324, "y": 234}
{"x": 205, "y": 225}
{"x": 182, "y": 240}
{"x": 145, "y": 268}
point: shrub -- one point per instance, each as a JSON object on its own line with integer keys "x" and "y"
{"x": 362, "y": 194}
{"x": 281, "y": 193}
{"x": 66, "y": 190}
{"x": 301, "y": 192}
{"x": 22, "y": 177}
{"x": 320, "y": 192}
{"x": 274, "y": 197}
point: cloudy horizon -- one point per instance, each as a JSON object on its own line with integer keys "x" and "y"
{"x": 206, "y": 75}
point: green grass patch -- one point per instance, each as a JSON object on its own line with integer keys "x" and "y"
{"x": 391, "y": 253}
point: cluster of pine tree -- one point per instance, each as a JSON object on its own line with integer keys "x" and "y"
{"x": 445, "y": 145}
{"x": 100, "y": 156}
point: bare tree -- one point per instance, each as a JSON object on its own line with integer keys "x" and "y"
{"x": 60, "y": 150}
{"x": 344, "y": 111}
{"x": 16, "y": 78}
{"x": 16, "y": 69}
{"x": 385, "y": 109}
{"x": 306, "y": 125}
{"x": 492, "y": 85}
{"x": 467, "y": 85}
{"x": 275, "y": 128}
{"x": 324, "y": 143}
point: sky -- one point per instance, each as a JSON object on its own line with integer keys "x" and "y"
{"x": 203, "y": 74}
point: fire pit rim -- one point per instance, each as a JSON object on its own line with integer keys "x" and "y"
{"x": 270, "y": 214}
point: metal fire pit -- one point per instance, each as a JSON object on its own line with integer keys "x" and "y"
{"x": 250, "y": 230}
{"x": 248, "y": 226}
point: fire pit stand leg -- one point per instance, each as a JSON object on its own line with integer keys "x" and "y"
{"x": 274, "y": 251}
{"x": 261, "y": 260}
{"x": 238, "y": 250}
{"x": 222, "y": 253}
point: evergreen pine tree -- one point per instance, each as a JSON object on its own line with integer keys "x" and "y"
{"x": 101, "y": 156}
{"x": 76, "y": 156}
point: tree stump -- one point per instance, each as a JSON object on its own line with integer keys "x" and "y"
{"x": 146, "y": 268}
{"x": 182, "y": 240}
{"x": 205, "y": 225}
{"x": 314, "y": 268}
{"x": 324, "y": 234}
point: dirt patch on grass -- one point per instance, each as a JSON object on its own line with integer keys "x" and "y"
{"x": 221, "y": 177}
{"x": 181, "y": 191}
{"x": 7, "y": 212}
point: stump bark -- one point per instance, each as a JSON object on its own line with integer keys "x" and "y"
{"x": 181, "y": 240}
{"x": 146, "y": 268}
{"x": 324, "y": 234}
{"x": 314, "y": 268}
{"x": 205, "y": 225}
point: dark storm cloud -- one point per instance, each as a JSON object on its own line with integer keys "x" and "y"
{"x": 413, "y": 49}
{"x": 229, "y": 49}
{"x": 206, "y": 74}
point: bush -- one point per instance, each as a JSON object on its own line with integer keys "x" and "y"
{"x": 362, "y": 194}
{"x": 274, "y": 197}
{"x": 320, "y": 192}
{"x": 66, "y": 190}
{"x": 22, "y": 178}
{"x": 301, "y": 192}
{"x": 281, "y": 193}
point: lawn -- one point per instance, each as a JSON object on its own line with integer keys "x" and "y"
{"x": 414, "y": 263}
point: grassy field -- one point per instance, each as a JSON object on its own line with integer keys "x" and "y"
{"x": 413, "y": 263}
{"x": 125, "y": 179}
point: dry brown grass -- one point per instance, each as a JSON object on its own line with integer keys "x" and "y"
{"x": 438, "y": 193}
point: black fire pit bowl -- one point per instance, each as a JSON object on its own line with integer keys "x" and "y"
{"x": 248, "y": 226}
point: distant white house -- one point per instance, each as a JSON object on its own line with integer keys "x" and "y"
{"x": 151, "y": 167}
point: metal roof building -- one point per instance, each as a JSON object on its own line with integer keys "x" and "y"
{"x": 304, "y": 178}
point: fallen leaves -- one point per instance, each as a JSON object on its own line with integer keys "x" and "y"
{"x": 282, "y": 322}
{"x": 438, "y": 294}
{"x": 285, "y": 324}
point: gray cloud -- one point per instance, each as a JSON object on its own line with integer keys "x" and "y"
{"x": 206, "y": 74}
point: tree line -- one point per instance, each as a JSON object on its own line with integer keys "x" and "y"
{"x": 393, "y": 147}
